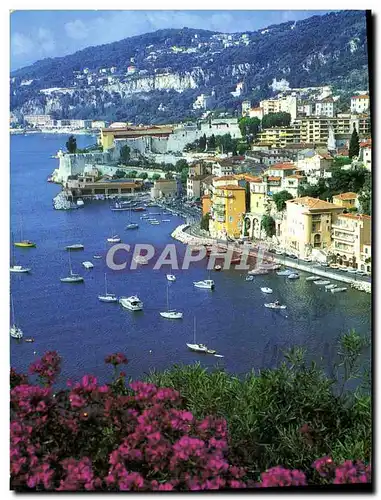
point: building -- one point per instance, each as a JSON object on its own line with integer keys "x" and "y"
{"x": 256, "y": 113}
{"x": 346, "y": 200}
{"x": 351, "y": 240}
{"x": 308, "y": 226}
{"x": 198, "y": 169}
{"x": 164, "y": 188}
{"x": 365, "y": 155}
{"x": 98, "y": 124}
{"x": 315, "y": 165}
{"x": 238, "y": 89}
{"x": 228, "y": 206}
{"x": 279, "y": 137}
{"x": 305, "y": 108}
{"x": 246, "y": 106}
{"x": 286, "y": 104}
{"x": 194, "y": 186}
{"x": 325, "y": 107}
{"x": 132, "y": 134}
{"x": 86, "y": 186}
{"x": 359, "y": 103}
{"x": 203, "y": 101}
{"x": 39, "y": 120}
{"x": 206, "y": 203}
{"x": 222, "y": 168}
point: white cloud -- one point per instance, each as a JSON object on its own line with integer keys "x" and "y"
{"x": 46, "y": 41}
{"x": 21, "y": 44}
{"x": 76, "y": 30}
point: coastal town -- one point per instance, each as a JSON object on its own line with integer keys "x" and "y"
{"x": 261, "y": 188}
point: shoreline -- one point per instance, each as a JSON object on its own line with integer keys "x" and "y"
{"x": 181, "y": 235}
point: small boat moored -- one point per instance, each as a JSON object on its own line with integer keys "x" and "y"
{"x": 312, "y": 278}
{"x": 209, "y": 284}
{"x": 249, "y": 277}
{"x": 114, "y": 239}
{"x": 132, "y": 225}
{"x": 275, "y": 305}
{"x": 266, "y": 289}
{"x": 217, "y": 267}
{"x": 87, "y": 264}
{"x": 286, "y": 272}
{"x": 25, "y": 244}
{"x": 336, "y": 290}
{"x": 329, "y": 287}
{"x": 322, "y": 282}
{"x": 76, "y": 246}
{"x": 132, "y": 303}
{"x": 107, "y": 297}
{"x": 171, "y": 277}
{"x": 293, "y": 276}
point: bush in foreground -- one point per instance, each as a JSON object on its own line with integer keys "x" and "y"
{"x": 140, "y": 436}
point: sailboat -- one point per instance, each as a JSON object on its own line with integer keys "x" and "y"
{"x": 199, "y": 347}
{"x": 72, "y": 278}
{"x": 15, "y": 268}
{"x": 107, "y": 297}
{"x": 168, "y": 313}
{"x": 24, "y": 243}
{"x": 114, "y": 239}
{"x": 15, "y": 330}
{"x": 132, "y": 225}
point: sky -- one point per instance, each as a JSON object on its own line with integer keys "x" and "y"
{"x": 39, "y": 34}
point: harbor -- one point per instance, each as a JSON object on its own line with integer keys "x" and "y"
{"x": 72, "y": 320}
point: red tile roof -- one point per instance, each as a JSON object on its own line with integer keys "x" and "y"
{"x": 345, "y": 196}
{"x": 363, "y": 96}
{"x": 274, "y": 178}
{"x": 282, "y": 166}
{"x": 366, "y": 144}
{"x": 356, "y": 217}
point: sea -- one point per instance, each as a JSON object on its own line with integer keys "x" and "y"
{"x": 70, "y": 319}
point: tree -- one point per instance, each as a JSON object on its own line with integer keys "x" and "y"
{"x": 204, "y": 223}
{"x": 202, "y": 142}
{"x": 280, "y": 199}
{"x": 212, "y": 142}
{"x": 268, "y": 225}
{"x": 169, "y": 175}
{"x": 247, "y": 196}
{"x": 249, "y": 127}
{"x": 365, "y": 197}
{"x": 184, "y": 175}
{"x": 280, "y": 119}
{"x": 354, "y": 146}
{"x": 144, "y": 175}
{"x": 124, "y": 154}
{"x": 71, "y": 144}
{"x": 180, "y": 164}
{"x": 156, "y": 177}
{"x": 119, "y": 174}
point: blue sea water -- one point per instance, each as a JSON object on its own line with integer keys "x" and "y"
{"x": 71, "y": 320}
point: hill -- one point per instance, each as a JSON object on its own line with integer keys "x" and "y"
{"x": 157, "y": 76}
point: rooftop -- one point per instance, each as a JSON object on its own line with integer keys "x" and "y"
{"x": 231, "y": 187}
{"x": 283, "y": 166}
{"x": 313, "y": 203}
{"x": 274, "y": 178}
{"x": 356, "y": 216}
{"x": 366, "y": 144}
{"x": 346, "y": 196}
{"x": 363, "y": 96}
{"x": 225, "y": 178}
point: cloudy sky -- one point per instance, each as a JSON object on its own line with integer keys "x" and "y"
{"x": 39, "y": 34}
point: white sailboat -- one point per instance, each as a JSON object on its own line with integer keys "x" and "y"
{"x": 132, "y": 225}
{"x": 199, "y": 347}
{"x": 170, "y": 314}
{"x": 114, "y": 239}
{"x": 15, "y": 330}
{"x": 15, "y": 268}
{"x": 72, "y": 278}
{"x": 171, "y": 277}
{"x": 107, "y": 297}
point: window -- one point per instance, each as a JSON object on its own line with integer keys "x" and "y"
{"x": 257, "y": 204}
{"x": 230, "y": 218}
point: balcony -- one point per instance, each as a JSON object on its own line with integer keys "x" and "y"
{"x": 221, "y": 194}
{"x": 220, "y": 218}
{"x": 343, "y": 237}
{"x": 342, "y": 227}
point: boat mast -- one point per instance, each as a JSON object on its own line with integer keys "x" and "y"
{"x": 167, "y": 297}
{"x": 71, "y": 272}
{"x": 194, "y": 330}
{"x": 13, "y": 260}
{"x": 105, "y": 284}
{"x": 13, "y": 310}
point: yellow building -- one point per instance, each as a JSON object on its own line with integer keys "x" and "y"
{"x": 351, "y": 240}
{"x": 108, "y": 135}
{"x": 279, "y": 137}
{"x": 346, "y": 200}
{"x": 227, "y": 209}
{"x": 206, "y": 204}
{"x": 308, "y": 225}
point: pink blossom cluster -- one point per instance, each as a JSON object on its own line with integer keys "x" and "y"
{"x": 91, "y": 437}
{"x": 116, "y": 359}
{"x": 48, "y": 367}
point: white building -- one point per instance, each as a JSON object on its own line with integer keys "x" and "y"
{"x": 38, "y": 120}
{"x": 246, "y": 106}
{"x": 238, "y": 90}
{"x": 365, "y": 155}
{"x": 286, "y": 104}
{"x": 325, "y": 107}
{"x": 222, "y": 169}
{"x": 359, "y": 103}
{"x": 203, "y": 101}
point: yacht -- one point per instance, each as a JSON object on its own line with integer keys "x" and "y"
{"x": 293, "y": 276}
{"x": 15, "y": 330}
{"x": 80, "y": 202}
{"x": 97, "y": 256}
{"x": 329, "y": 287}
{"x": 132, "y": 225}
{"x": 76, "y": 246}
{"x": 87, "y": 264}
{"x": 336, "y": 290}
{"x": 321, "y": 282}
{"x": 15, "y": 268}
{"x": 199, "y": 347}
{"x": 209, "y": 284}
{"x": 266, "y": 289}
{"x": 170, "y": 314}
{"x": 258, "y": 272}
{"x": 114, "y": 239}
{"x": 133, "y": 303}
{"x": 286, "y": 272}
{"x": 107, "y": 297}
{"x": 72, "y": 278}
{"x": 171, "y": 277}
{"x": 275, "y": 305}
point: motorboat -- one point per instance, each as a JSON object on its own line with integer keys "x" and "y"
{"x": 154, "y": 222}
{"x": 352, "y": 270}
{"x": 114, "y": 239}
{"x": 139, "y": 209}
{"x": 209, "y": 284}
{"x": 258, "y": 272}
{"x": 334, "y": 266}
{"x": 285, "y": 272}
{"x": 165, "y": 220}
{"x": 293, "y": 276}
{"x": 132, "y": 303}
{"x": 97, "y": 256}
{"x": 29, "y": 339}
{"x": 330, "y": 286}
{"x": 171, "y": 277}
{"x": 202, "y": 348}
{"x": 132, "y": 225}
{"x": 140, "y": 259}
{"x": 107, "y": 297}
{"x": 15, "y": 331}
{"x": 171, "y": 314}
{"x": 217, "y": 267}
{"x": 19, "y": 269}
{"x": 336, "y": 290}
{"x": 278, "y": 252}
{"x": 87, "y": 264}
{"x": 72, "y": 278}
{"x": 275, "y": 305}
{"x": 266, "y": 289}
{"x": 311, "y": 278}
{"x": 80, "y": 202}
{"x": 322, "y": 282}
{"x": 76, "y": 246}
{"x": 249, "y": 277}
